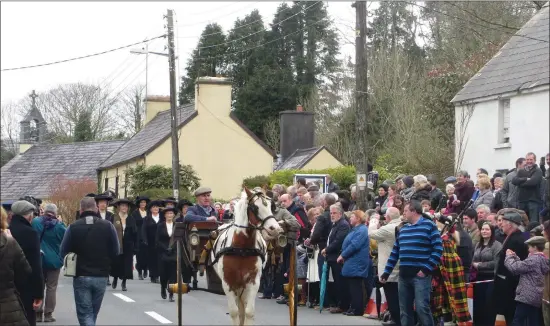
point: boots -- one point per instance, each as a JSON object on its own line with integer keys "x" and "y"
{"x": 115, "y": 281}
{"x": 163, "y": 292}
{"x": 108, "y": 281}
{"x": 124, "y": 285}
{"x": 39, "y": 317}
{"x": 48, "y": 318}
{"x": 145, "y": 273}
{"x": 171, "y": 297}
{"x": 303, "y": 292}
{"x": 140, "y": 276}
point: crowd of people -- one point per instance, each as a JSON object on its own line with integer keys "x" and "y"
{"x": 421, "y": 245}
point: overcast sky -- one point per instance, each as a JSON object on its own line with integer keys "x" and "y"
{"x": 37, "y": 33}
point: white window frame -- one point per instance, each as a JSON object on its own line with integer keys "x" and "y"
{"x": 504, "y": 121}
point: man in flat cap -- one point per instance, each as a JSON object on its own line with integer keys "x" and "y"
{"x": 203, "y": 210}
{"x": 506, "y": 282}
{"x": 31, "y": 287}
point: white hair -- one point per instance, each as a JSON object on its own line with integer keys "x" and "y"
{"x": 449, "y": 187}
{"x": 484, "y": 207}
{"x": 420, "y": 178}
{"x": 338, "y": 207}
{"x": 333, "y": 194}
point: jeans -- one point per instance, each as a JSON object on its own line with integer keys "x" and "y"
{"x": 415, "y": 291}
{"x": 51, "y": 276}
{"x": 88, "y": 295}
{"x": 532, "y": 209}
{"x": 526, "y": 315}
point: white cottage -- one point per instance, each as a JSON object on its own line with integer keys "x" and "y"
{"x": 502, "y": 112}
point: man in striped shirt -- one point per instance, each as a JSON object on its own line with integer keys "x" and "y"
{"x": 418, "y": 249}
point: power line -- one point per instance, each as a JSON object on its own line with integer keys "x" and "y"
{"x": 476, "y": 23}
{"x": 82, "y": 57}
{"x": 263, "y": 30}
{"x": 269, "y": 42}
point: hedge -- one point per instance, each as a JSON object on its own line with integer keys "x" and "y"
{"x": 344, "y": 176}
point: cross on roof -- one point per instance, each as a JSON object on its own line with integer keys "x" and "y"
{"x": 33, "y": 96}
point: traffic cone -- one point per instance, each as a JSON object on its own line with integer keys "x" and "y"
{"x": 500, "y": 321}
{"x": 370, "y": 310}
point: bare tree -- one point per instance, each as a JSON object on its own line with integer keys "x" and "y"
{"x": 272, "y": 134}
{"x": 130, "y": 110}
{"x": 10, "y": 117}
{"x": 64, "y": 105}
{"x": 465, "y": 112}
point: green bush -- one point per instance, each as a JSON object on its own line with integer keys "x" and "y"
{"x": 163, "y": 193}
{"x": 257, "y": 181}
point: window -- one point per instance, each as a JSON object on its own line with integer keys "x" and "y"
{"x": 106, "y": 184}
{"x": 116, "y": 185}
{"x": 504, "y": 121}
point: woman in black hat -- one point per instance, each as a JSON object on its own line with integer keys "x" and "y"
{"x": 167, "y": 255}
{"x": 139, "y": 215}
{"x": 126, "y": 229}
{"x": 169, "y": 202}
{"x": 148, "y": 235}
{"x": 102, "y": 201}
{"x": 183, "y": 205}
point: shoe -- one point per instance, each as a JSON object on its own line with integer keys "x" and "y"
{"x": 171, "y": 297}
{"x": 145, "y": 274}
{"x": 108, "y": 282}
{"x": 388, "y": 323}
{"x": 48, "y": 318}
{"x": 39, "y": 317}
{"x": 336, "y": 311}
{"x": 115, "y": 281}
{"x": 163, "y": 293}
{"x": 264, "y": 297}
{"x": 302, "y": 303}
{"x": 282, "y": 300}
{"x": 124, "y": 285}
{"x": 140, "y": 276}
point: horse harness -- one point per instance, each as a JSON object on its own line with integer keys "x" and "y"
{"x": 244, "y": 252}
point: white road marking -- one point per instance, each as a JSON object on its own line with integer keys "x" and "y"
{"x": 123, "y": 297}
{"x": 158, "y": 317}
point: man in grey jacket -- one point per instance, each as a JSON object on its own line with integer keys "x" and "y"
{"x": 528, "y": 180}
{"x": 509, "y": 191}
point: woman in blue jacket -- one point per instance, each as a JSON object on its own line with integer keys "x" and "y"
{"x": 356, "y": 259}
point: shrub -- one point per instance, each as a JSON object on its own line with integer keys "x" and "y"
{"x": 257, "y": 181}
{"x": 156, "y": 177}
{"x": 66, "y": 193}
{"x": 163, "y": 193}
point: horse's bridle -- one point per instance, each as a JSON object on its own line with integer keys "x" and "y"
{"x": 253, "y": 209}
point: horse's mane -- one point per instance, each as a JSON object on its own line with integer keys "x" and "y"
{"x": 240, "y": 209}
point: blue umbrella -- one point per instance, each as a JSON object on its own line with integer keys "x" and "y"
{"x": 323, "y": 287}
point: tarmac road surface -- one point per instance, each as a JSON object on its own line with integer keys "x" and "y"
{"x": 142, "y": 305}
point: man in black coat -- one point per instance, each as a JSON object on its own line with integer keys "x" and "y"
{"x": 339, "y": 231}
{"x": 31, "y": 287}
{"x": 505, "y": 282}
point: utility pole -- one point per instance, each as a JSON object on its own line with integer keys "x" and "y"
{"x": 173, "y": 113}
{"x": 361, "y": 120}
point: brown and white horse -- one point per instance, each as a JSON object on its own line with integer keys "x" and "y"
{"x": 239, "y": 253}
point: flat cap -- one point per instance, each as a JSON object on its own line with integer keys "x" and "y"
{"x": 536, "y": 240}
{"x": 451, "y": 179}
{"x": 22, "y": 207}
{"x": 513, "y": 217}
{"x": 202, "y": 191}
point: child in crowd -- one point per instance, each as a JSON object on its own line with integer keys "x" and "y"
{"x": 450, "y": 189}
{"x": 531, "y": 281}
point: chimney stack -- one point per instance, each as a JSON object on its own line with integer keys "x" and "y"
{"x": 296, "y": 131}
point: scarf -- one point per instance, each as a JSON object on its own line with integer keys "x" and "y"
{"x": 49, "y": 221}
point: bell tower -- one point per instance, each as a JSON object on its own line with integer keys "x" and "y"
{"x": 33, "y": 127}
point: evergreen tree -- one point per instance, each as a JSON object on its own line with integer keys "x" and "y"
{"x": 206, "y": 60}
{"x": 83, "y": 127}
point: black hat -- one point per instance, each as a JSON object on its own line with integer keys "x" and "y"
{"x": 7, "y": 204}
{"x": 91, "y": 195}
{"x": 122, "y": 201}
{"x": 140, "y": 198}
{"x": 157, "y": 203}
{"x": 103, "y": 196}
{"x": 170, "y": 200}
{"x": 168, "y": 209}
{"x": 184, "y": 202}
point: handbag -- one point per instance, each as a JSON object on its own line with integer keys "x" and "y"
{"x": 70, "y": 260}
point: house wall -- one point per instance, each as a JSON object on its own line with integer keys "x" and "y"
{"x": 219, "y": 150}
{"x": 529, "y": 130}
{"x": 119, "y": 171}
{"x": 323, "y": 160}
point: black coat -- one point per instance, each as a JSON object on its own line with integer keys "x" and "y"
{"x": 338, "y": 233}
{"x": 141, "y": 255}
{"x": 148, "y": 238}
{"x": 122, "y": 265}
{"x": 505, "y": 289}
{"x": 322, "y": 228}
{"x": 163, "y": 242}
{"x": 12, "y": 262}
{"x": 108, "y": 216}
{"x": 30, "y": 287}
{"x": 422, "y": 194}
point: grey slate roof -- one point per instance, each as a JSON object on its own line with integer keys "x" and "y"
{"x": 299, "y": 158}
{"x": 32, "y": 172}
{"x": 522, "y": 63}
{"x": 154, "y": 133}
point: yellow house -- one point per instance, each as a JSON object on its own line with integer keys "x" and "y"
{"x": 315, "y": 158}
{"x": 219, "y": 147}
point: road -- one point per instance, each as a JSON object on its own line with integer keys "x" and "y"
{"x": 142, "y": 305}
